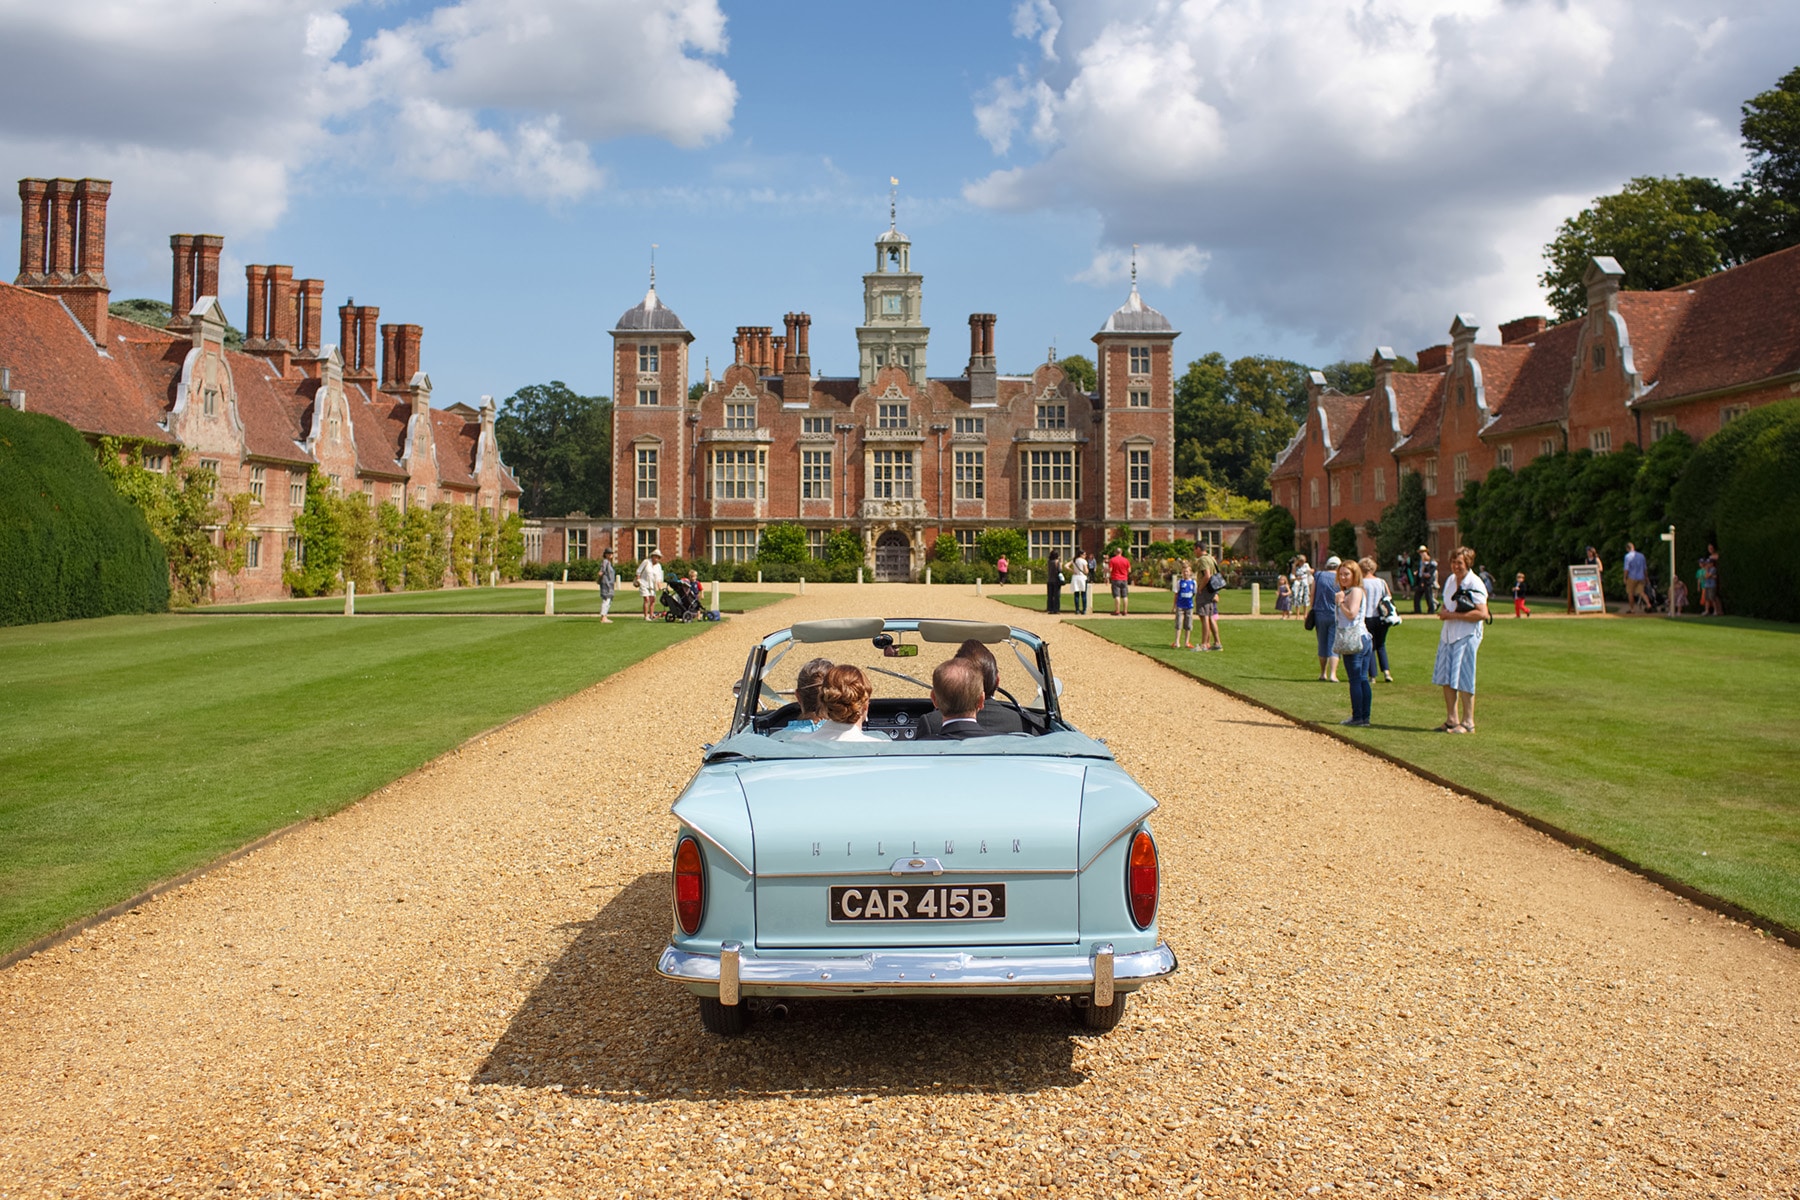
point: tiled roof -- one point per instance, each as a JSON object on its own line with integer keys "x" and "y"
{"x": 1287, "y": 463}
{"x": 1500, "y": 368}
{"x": 454, "y": 440}
{"x": 1339, "y": 412}
{"x": 1651, "y": 320}
{"x": 1539, "y": 392}
{"x": 1416, "y": 401}
{"x": 268, "y": 404}
{"x": 378, "y": 436}
{"x": 62, "y": 374}
{"x": 1740, "y": 326}
{"x": 1350, "y": 441}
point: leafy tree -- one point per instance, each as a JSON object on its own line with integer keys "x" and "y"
{"x": 1355, "y": 377}
{"x": 1275, "y": 535}
{"x": 177, "y": 505}
{"x": 1769, "y": 218}
{"x": 390, "y": 546}
{"x": 1080, "y": 370}
{"x": 509, "y": 546}
{"x": 1403, "y": 525}
{"x": 311, "y": 568}
{"x": 419, "y": 534}
{"x": 783, "y": 544}
{"x": 1231, "y": 420}
{"x": 998, "y": 543}
{"x": 559, "y": 445}
{"x": 697, "y": 390}
{"x": 464, "y": 543}
{"x": 1662, "y": 232}
{"x": 844, "y": 548}
{"x": 945, "y": 549}
{"x": 1343, "y": 539}
{"x": 1195, "y": 498}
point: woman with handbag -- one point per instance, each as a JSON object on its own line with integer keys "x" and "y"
{"x": 1378, "y": 614}
{"x": 1463, "y": 614}
{"x": 1351, "y": 641}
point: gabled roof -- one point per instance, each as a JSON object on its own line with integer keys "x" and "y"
{"x": 63, "y": 373}
{"x": 379, "y": 435}
{"x": 1539, "y": 392}
{"x": 1500, "y": 369}
{"x": 1737, "y": 327}
{"x": 1349, "y": 442}
{"x": 454, "y": 439}
{"x": 1420, "y": 399}
{"x": 270, "y": 407}
{"x": 1651, "y": 322}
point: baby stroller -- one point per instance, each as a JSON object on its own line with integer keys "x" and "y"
{"x": 680, "y": 601}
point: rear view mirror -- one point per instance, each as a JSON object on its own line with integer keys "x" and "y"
{"x": 900, "y": 652}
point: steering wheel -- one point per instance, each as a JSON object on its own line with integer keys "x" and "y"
{"x": 1024, "y": 721}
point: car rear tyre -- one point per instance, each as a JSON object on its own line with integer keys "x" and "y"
{"x": 1100, "y": 1018}
{"x": 726, "y": 1020}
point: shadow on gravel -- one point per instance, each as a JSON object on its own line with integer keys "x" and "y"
{"x": 603, "y": 1023}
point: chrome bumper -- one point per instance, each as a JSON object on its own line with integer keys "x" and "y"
{"x": 734, "y": 974}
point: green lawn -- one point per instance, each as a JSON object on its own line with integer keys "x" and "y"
{"x": 570, "y": 598}
{"x": 137, "y": 748}
{"x": 1675, "y": 744}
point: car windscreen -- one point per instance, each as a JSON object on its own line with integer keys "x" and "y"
{"x": 902, "y": 676}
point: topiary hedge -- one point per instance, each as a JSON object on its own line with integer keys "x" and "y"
{"x": 70, "y": 546}
{"x": 1756, "y": 519}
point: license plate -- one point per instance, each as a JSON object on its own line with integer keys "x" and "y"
{"x": 919, "y": 902}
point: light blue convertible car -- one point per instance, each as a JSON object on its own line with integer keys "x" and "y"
{"x": 1018, "y": 864}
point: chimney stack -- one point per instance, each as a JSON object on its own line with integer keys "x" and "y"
{"x": 390, "y": 348}
{"x": 196, "y": 261}
{"x": 62, "y": 245}
{"x": 982, "y": 383}
{"x": 1462, "y": 334}
{"x": 1431, "y": 358}
{"x": 1603, "y": 278}
{"x": 796, "y": 379}
{"x": 356, "y": 340}
{"x": 399, "y": 355}
{"x": 309, "y": 297}
{"x": 1521, "y": 330}
{"x": 256, "y": 307}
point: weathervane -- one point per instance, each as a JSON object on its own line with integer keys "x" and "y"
{"x": 653, "y": 265}
{"x": 1134, "y": 250}
{"x": 893, "y": 201}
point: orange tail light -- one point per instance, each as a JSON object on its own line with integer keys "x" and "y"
{"x": 690, "y": 885}
{"x": 1142, "y": 879}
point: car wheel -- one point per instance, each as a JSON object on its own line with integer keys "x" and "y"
{"x": 726, "y": 1020}
{"x": 1100, "y": 1017}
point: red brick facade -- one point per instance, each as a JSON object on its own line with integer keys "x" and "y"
{"x": 262, "y": 416}
{"x": 898, "y": 457}
{"x": 1636, "y": 367}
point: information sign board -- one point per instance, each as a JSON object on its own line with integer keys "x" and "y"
{"x": 1585, "y": 594}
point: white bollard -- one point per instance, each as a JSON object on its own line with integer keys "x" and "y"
{"x": 350, "y": 597}
{"x": 1256, "y": 599}
{"x": 978, "y": 585}
{"x": 759, "y": 576}
{"x": 927, "y": 576}
{"x": 803, "y": 585}
{"x": 493, "y": 578}
{"x": 715, "y": 596}
{"x": 1028, "y": 577}
{"x": 565, "y": 574}
{"x": 859, "y": 571}
{"x": 550, "y": 597}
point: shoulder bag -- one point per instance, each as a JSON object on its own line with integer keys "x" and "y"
{"x": 1347, "y": 638}
{"x": 1312, "y": 620}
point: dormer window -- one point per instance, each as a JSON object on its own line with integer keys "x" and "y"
{"x": 740, "y": 416}
{"x": 893, "y": 416}
{"x": 1053, "y": 416}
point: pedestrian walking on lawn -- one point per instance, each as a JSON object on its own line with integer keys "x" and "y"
{"x": 1284, "y": 597}
{"x": 1351, "y": 641}
{"x": 1184, "y": 591}
{"x": 1678, "y": 596}
{"x": 1637, "y": 577}
{"x": 650, "y": 581}
{"x": 1426, "y": 587}
{"x": 1378, "y": 616}
{"x": 1053, "y": 583}
{"x": 609, "y": 583}
{"x": 1709, "y": 580}
{"x": 1078, "y": 582}
{"x": 1519, "y": 608}
{"x": 1000, "y": 566}
{"x": 1302, "y": 583}
{"x": 1463, "y": 615}
{"x": 1324, "y": 615}
{"x": 1207, "y": 604}
{"x": 1118, "y": 570}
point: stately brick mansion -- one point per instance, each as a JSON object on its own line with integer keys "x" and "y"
{"x": 262, "y": 416}
{"x": 892, "y": 453}
{"x": 1635, "y": 368}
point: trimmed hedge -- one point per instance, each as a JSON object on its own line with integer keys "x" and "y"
{"x": 70, "y": 546}
{"x": 1757, "y": 518}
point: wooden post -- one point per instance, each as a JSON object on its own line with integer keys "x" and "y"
{"x": 350, "y": 597}
{"x": 550, "y": 597}
{"x": 1256, "y": 599}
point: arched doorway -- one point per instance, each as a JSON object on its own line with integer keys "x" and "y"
{"x": 893, "y": 558}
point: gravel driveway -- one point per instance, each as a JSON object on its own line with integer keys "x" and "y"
{"x": 448, "y": 990}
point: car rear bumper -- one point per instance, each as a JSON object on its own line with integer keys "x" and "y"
{"x": 737, "y": 972}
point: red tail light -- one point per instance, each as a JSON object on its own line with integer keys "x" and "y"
{"x": 690, "y": 885}
{"x": 1141, "y": 879}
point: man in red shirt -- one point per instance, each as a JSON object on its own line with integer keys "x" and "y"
{"x": 1119, "y": 568}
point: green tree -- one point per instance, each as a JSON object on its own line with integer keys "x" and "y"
{"x": 390, "y": 546}
{"x": 783, "y": 544}
{"x": 464, "y": 543}
{"x": 509, "y": 546}
{"x": 995, "y": 543}
{"x": 1080, "y": 370}
{"x": 697, "y": 391}
{"x": 1275, "y": 535}
{"x": 156, "y": 313}
{"x": 1769, "y": 216}
{"x": 844, "y": 548}
{"x": 177, "y": 505}
{"x": 1403, "y": 525}
{"x": 1343, "y": 539}
{"x": 1353, "y": 378}
{"x": 316, "y": 554}
{"x": 945, "y": 549}
{"x": 1231, "y": 420}
{"x": 559, "y": 446}
{"x": 1661, "y": 231}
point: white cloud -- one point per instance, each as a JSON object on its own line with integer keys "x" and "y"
{"x": 1038, "y": 19}
{"x": 1364, "y": 171}
{"x": 1156, "y": 264}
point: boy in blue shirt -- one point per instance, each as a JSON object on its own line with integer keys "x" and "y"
{"x": 1184, "y": 608}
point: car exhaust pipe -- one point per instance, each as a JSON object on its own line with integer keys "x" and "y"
{"x": 779, "y": 1011}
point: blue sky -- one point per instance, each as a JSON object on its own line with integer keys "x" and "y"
{"x": 1308, "y": 179}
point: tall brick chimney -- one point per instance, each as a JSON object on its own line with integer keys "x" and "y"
{"x": 256, "y": 306}
{"x": 399, "y": 355}
{"x": 390, "y": 349}
{"x": 1431, "y": 358}
{"x": 796, "y": 375}
{"x": 982, "y": 384}
{"x": 356, "y": 340}
{"x": 62, "y": 245}
{"x": 1521, "y": 330}
{"x": 309, "y": 297}
{"x": 195, "y": 257}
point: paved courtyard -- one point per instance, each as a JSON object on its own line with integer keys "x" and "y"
{"x": 448, "y": 989}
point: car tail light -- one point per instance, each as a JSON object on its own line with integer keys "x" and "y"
{"x": 1141, "y": 878}
{"x": 690, "y": 885}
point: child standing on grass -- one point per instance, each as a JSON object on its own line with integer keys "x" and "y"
{"x": 1185, "y": 588}
{"x": 1519, "y": 609}
{"x": 1284, "y": 597}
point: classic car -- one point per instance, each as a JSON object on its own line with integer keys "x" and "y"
{"x": 1017, "y": 864}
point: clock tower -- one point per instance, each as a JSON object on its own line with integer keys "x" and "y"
{"x": 891, "y": 334}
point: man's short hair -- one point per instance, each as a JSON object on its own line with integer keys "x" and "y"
{"x": 956, "y": 687}
{"x": 978, "y": 653}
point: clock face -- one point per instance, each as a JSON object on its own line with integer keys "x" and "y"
{"x": 891, "y": 302}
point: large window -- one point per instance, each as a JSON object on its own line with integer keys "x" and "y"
{"x": 740, "y": 415}
{"x": 815, "y": 474}
{"x": 1600, "y": 441}
{"x": 1660, "y": 428}
{"x": 815, "y": 542}
{"x": 648, "y": 396}
{"x": 738, "y": 475}
{"x": 1546, "y": 447}
{"x": 893, "y": 416}
{"x": 1140, "y": 542}
{"x": 1138, "y": 398}
{"x": 1051, "y": 475}
{"x": 1043, "y": 541}
{"x": 296, "y": 490}
{"x": 1137, "y": 468}
{"x": 575, "y": 545}
{"x": 1459, "y": 472}
{"x": 253, "y": 553}
{"x": 649, "y": 360}
{"x": 893, "y": 475}
{"x": 733, "y": 545}
{"x": 1731, "y": 412}
{"x": 1502, "y": 458}
{"x": 1381, "y": 485}
{"x": 646, "y": 473}
{"x": 815, "y": 424}
{"x": 1336, "y": 492}
{"x": 971, "y": 467}
{"x": 1428, "y": 473}
{"x": 644, "y": 542}
{"x": 1053, "y": 416}
{"x": 1140, "y": 360}
{"x": 1312, "y": 491}
{"x": 968, "y": 541}
{"x": 1356, "y": 487}
{"x": 256, "y": 484}
{"x": 975, "y": 425}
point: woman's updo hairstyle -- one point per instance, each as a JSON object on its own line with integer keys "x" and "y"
{"x": 809, "y": 684}
{"x": 845, "y": 694}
